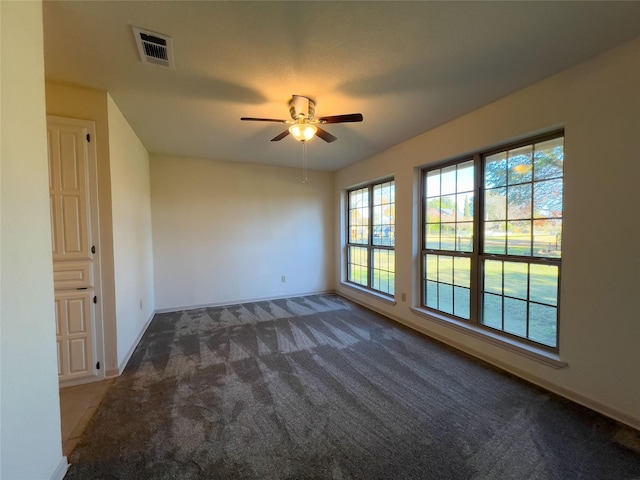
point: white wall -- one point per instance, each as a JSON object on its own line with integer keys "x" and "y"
{"x": 30, "y": 438}
{"x": 598, "y": 103}
{"x": 226, "y": 232}
{"x": 132, "y": 245}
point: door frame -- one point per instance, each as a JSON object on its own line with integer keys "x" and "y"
{"x": 93, "y": 211}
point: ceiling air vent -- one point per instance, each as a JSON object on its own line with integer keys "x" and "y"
{"x": 154, "y": 47}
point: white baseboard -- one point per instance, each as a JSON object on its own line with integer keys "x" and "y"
{"x": 238, "y": 302}
{"x": 61, "y": 469}
{"x": 127, "y": 357}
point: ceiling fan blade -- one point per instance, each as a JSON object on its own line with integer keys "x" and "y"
{"x": 280, "y": 137}
{"x": 351, "y": 117}
{"x": 326, "y": 136}
{"x": 252, "y": 119}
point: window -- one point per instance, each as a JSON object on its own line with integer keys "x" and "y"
{"x": 371, "y": 260}
{"x": 492, "y": 238}
{"x": 448, "y": 208}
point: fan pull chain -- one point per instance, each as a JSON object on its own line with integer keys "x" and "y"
{"x": 304, "y": 162}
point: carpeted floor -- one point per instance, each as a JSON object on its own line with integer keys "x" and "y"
{"x": 317, "y": 387}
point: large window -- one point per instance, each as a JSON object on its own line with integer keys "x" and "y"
{"x": 371, "y": 213}
{"x": 492, "y": 239}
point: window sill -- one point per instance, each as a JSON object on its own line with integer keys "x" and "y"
{"x": 372, "y": 293}
{"x": 539, "y": 355}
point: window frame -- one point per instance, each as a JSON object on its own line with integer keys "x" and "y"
{"x": 477, "y": 258}
{"x": 369, "y": 246}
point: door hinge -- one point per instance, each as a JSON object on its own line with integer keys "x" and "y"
{"x": 95, "y": 299}
{"x": 98, "y": 366}
{"x": 93, "y": 249}
{"x": 88, "y": 137}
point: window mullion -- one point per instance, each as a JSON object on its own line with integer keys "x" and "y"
{"x": 476, "y": 270}
{"x": 370, "y": 246}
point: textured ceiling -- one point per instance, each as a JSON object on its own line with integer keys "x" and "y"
{"x": 406, "y": 66}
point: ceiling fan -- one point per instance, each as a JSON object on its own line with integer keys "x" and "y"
{"x": 304, "y": 124}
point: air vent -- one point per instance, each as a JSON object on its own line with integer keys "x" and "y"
{"x": 154, "y": 48}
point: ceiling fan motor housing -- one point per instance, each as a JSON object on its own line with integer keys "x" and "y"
{"x": 302, "y": 107}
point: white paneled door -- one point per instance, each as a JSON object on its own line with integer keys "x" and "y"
{"x": 72, "y": 184}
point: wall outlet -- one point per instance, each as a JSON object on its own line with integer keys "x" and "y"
{"x": 283, "y": 279}
{"x": 403, "y": 297}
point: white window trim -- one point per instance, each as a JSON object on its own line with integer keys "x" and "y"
{"x": 370, "y": 291}
{"x": 540, "y": 355}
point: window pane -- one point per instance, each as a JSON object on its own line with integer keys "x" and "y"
{"x": 495, "y": 237}
{"x": 464, "y": 207}
{"x": 391, "y": 233}
{"x": 383, "y": 269}
{"x": 432, "y": 187}
{"x": 359, "y": 225}
{"x": 527, "y": 287}
{"x": 495, "y": 204}
{"x": 520, "y": 165}
{"x": 431, "y": 267}
{"x": 547, "y": 238}
{"x": 462, "y": 271}
{"x": 450, "y": 202}
{"x": 515, "y": 316}
{"x": 432, "y": 210}
{"x": 548, "y": 159}
{"x": 493, "y": 276}
{"x": 448, "y": 180}
{"x": 448, "y": 236}
{"x": 353, "y": 223}
{"x": 359, "y": 198}
{"x": 445, "y": 269}
{"x": 466, "y": 178}
{"x": 447, "y": 284}
{"x": 519, "y": 238}
{"x": 377, "y": 215}
{"x": 464, "y": 237}
{"x": 431, "y": 295}
{"x": 543, "y": 324}
{"x": 384, "y": 214}
{"x": 445, "y": 298}
{"x": 543, "y": 284}
{"x": 516, "y": 279}
{"x": 461, "y": 304}
{"x": 433, "y": 236}
{"x": 547, "y": 199}
{"x": 358, "y": 265}
{"x": 377, "y": 194}
{"x": 495, "y": 170}
{"x": 359, "y": 216}
{"x": 492, "y": 311}
{"x": 519, "y": 202}
{"x": 448, "y": 208}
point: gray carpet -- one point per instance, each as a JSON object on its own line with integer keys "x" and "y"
{"x": 317, "y": 387}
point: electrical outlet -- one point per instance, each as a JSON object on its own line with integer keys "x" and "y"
{"x": 283, "y": 279}
{"x": 403, "y": 297}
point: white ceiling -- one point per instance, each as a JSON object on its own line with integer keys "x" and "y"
{"x": 406, "y": 66}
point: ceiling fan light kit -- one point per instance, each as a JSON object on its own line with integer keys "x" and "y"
{"x": 304, "y": 125}
{"x": 303, "y": 132}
